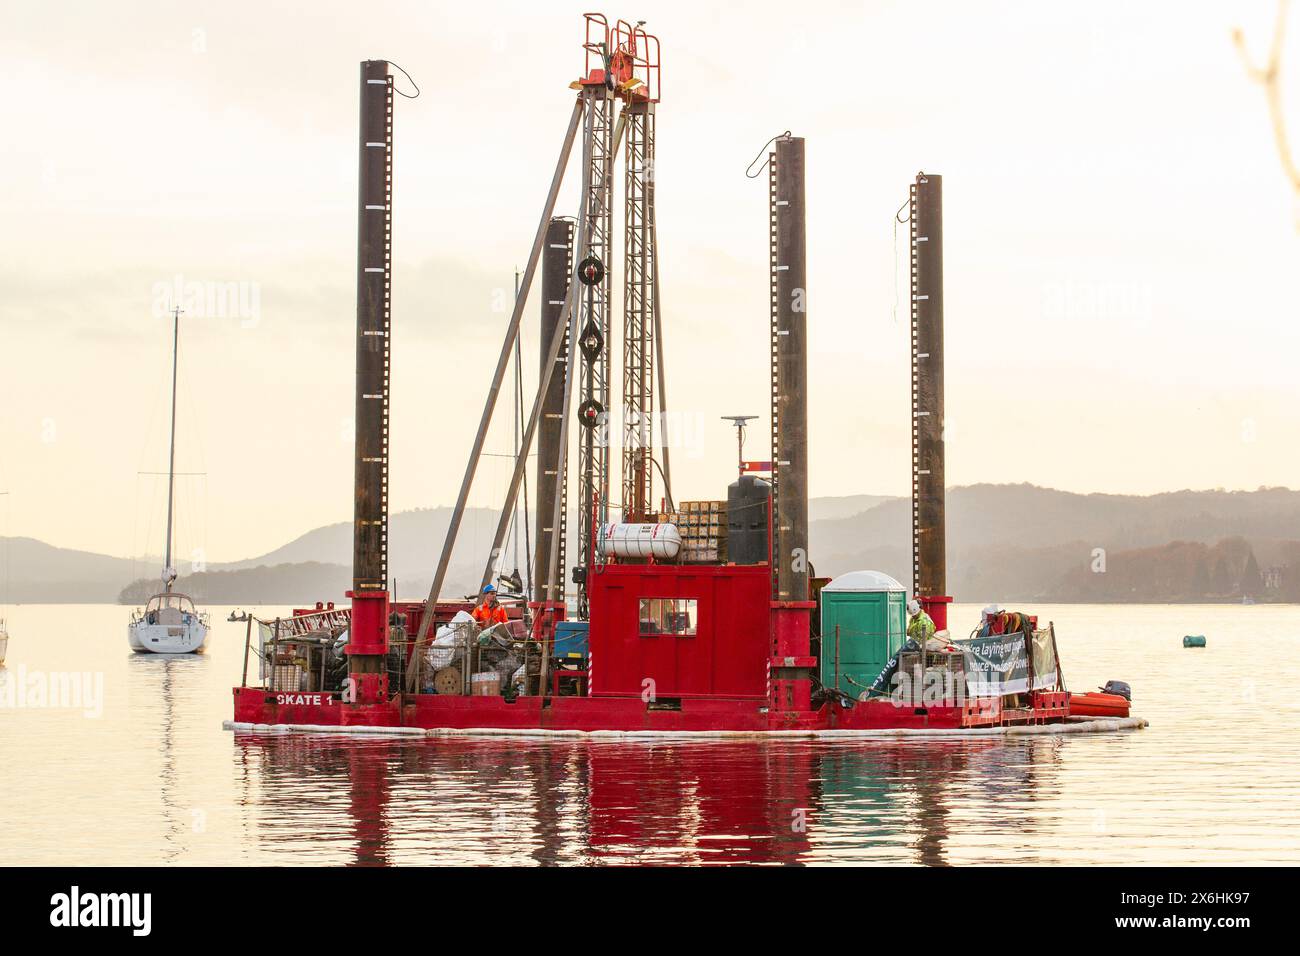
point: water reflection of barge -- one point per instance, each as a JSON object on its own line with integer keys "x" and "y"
{"x": 586, "y": 802}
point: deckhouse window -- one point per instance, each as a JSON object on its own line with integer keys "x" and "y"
{"x": 669, "y": 617}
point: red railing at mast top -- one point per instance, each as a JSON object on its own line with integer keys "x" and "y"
{"x": 595, "y": 45}
{"x": 622, "y": 54}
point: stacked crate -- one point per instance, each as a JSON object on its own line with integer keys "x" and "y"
{"x": 703, "y": 527}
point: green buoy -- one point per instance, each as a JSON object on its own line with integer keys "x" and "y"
{"x": 1194, "y": 640}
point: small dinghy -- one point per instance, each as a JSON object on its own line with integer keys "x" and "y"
{"x": 1194, "y": 640}
{"x": 1113, "y": 700}
{"x": 1098, "y": 705}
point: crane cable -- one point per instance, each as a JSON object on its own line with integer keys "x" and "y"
{"x": 897, "y": 222}
{"x": 409, "y": 96}
{"x": 758, "y": 172}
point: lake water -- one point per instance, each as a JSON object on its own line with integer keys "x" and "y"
{"x": 145, "y": 774}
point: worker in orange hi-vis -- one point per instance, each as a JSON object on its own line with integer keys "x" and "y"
{"x": 488, "y": 611}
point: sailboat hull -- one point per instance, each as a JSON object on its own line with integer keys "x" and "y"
{"x": 167, "y": 638}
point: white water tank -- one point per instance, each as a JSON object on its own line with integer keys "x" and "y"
{"x": 660, "y": 541}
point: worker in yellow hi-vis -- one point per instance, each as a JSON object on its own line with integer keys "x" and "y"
{"x": 920, "y": 627}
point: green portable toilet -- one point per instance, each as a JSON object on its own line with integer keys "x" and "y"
{"x": 869, "y": 610}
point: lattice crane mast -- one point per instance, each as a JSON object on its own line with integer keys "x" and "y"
{"x": 621, "y": 64}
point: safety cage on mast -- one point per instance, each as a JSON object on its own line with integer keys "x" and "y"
{"x": 623, "y": 57}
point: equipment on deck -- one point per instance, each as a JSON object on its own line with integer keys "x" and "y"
{"x": 749, "y": 507}
{"x": 642, "y": 540}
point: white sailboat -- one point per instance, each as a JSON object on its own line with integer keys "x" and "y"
{"x": 169, "y": 623}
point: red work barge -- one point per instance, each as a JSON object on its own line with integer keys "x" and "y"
{"x": 746, "y": 669}
{"x": 744, "y": 661}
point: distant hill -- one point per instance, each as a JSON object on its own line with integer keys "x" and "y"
{"x": 1024, "y": 543}
{"x": 835, "y": 509}
{"x": 1174, "y": 572}
{"x": 302, "y": 583}
{"x": 40, "y": 573}
{"x": 1005, "y": 543}
{"x": 414, "y": 540}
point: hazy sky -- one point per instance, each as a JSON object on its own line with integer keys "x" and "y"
{"x": 1121, "y": 246}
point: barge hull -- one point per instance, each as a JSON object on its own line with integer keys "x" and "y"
{"x": 433, "y": 713}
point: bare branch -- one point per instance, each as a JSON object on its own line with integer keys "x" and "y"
{"x": 1269, "y": 76}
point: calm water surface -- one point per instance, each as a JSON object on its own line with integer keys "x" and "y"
{"x": 152, "y": 778}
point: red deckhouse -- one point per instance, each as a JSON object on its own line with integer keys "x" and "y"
{"x": 646, "y": 627}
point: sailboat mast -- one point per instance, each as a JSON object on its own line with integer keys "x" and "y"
{"x": 171, "y": 459}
